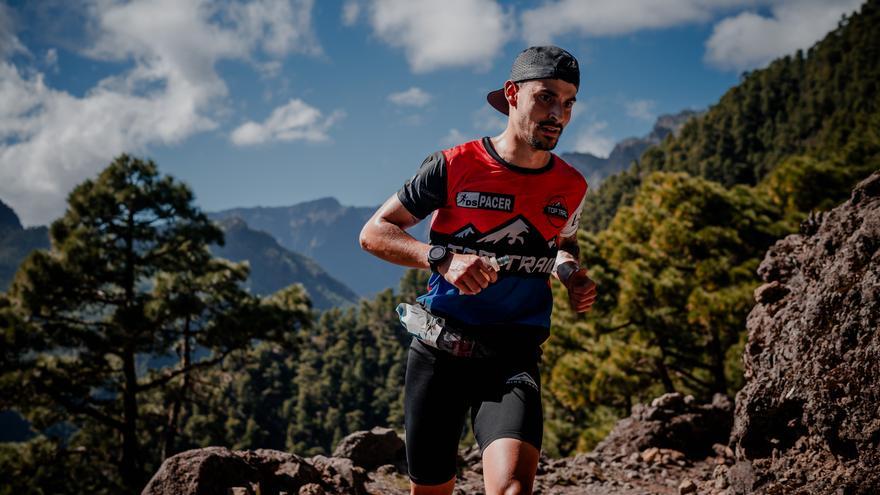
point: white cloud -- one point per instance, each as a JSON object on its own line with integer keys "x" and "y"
{"x": 413, "y": 97}
{"x": 591, "y": 140}
{"x": 612, "y": 17}
{"x": 350, "y": 12}
{"x": 297, "y": 120}
{"x": 749, "y": 40}
{"x": 743, "y": 40}
{"x": 454, "y": 137}
{"x": 641, "y": 109}
{"x": 51, "y": 140}
{"x": 436, "y": 35}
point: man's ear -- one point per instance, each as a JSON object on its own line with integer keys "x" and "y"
{"x": 511, "y": 91}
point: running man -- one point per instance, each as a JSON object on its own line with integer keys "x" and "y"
{"x": 494, "y": 197}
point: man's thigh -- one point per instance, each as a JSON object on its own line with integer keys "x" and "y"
{"x": 510, "y": 406}
{"x": 509, "y": 432}
{"x": 435, "y": 408}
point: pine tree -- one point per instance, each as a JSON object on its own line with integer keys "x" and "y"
{"x": 128, "y": 278}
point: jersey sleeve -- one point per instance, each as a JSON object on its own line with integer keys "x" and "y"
{"x": 570, "y": 228}
{"x": 425, "y": 191}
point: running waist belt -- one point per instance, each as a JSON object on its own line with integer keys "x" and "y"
{"x": 434, "y": 331}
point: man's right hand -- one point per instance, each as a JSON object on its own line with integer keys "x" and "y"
{"x": 467, "y": 272}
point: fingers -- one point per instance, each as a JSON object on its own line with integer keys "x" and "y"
{"x": 488, "y": 270}
{"x": 470, "y": 274}
{"x": 582, "y": 292}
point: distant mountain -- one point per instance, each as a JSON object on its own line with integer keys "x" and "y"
{"x": 596, "y": 169}
{"x": 327, "y": 232}
{"x": 16, "y": 242}
{"x": 274, "y": 267}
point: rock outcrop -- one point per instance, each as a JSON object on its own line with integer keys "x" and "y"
{"x": 672, "y": 421}
{"x": 374, "y": 448}
{"x": 637, "y": 458}
{"x": 808, "y": 418}
{"x": 220, "y": 471}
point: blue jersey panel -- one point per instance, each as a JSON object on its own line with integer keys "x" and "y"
{"x": 510, "y": 300}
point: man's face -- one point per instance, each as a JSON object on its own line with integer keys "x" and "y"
{"x": 543, "y": 109}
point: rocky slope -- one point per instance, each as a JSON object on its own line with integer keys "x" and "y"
{"x": 808, "y": 418}
{"x": 640, "y": 456}
{"x": 806, "y": 422}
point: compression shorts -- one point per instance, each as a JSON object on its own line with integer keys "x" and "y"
{"x": 502, "y": 395}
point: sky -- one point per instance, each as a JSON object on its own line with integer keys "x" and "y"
{"x": 276, "y": 102}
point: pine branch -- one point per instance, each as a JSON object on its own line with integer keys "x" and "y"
{"x": 170, "y": 376}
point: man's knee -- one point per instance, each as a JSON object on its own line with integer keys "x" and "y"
{"x": 441, "y": 489}
{"x": 515, "y": 487}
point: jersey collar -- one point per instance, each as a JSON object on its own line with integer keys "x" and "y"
{"x": 487, "y": 145}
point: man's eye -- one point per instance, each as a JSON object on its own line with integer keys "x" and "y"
{"x": 569, "y": 104}
{"x": 544, "y": 98}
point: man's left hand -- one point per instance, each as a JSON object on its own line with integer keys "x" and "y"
{"x": 581, "y": 291}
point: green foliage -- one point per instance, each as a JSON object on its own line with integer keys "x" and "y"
{"x": 676, "y": 272}
{"x": 824, "y": 104}
{"x": 128, "y": 276}
{"x": 45, "y": 466}
{"x": 15, "y": 244}
{"x": 801, "y": 184}
{"x": 347, "y": 376}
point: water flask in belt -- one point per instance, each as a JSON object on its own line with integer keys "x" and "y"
{"x": 432, "y": 330}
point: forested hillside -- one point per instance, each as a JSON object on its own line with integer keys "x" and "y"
{"x": 823, "y": 104}
{"x": 16, "y": 242}
{"x": 273, "y": 267}
{"x": 674, "y": 242}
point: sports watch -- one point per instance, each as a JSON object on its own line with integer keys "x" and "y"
{"x": 436, "y": 255}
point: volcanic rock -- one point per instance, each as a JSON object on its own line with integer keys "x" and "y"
{"x": 808, "y": 418}
{"x": 217, "y": 470}
{"x": 672, "y": 421}
{"x": 371, "y": 449}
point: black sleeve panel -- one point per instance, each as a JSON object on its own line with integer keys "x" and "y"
{"x": 426, "y": 191}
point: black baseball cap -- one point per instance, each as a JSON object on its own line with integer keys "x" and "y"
{"x": 538, "y": 62}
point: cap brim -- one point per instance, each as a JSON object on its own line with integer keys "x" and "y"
{"x": 498, "y": 101}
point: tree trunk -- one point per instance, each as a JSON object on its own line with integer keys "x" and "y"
{"x": 130, "y": 471}
{"x": 131, "y": 476}
{"x": 660, "y": 364}
{"x": 174, "y": 414}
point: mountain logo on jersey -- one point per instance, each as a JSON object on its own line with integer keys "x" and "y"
{"x": 557, "y": 213}
{"x": 530, "y": 253}
{"x": 512, "y": 234}
{"x": 484, "y": 200}
{"x": 467, "y": 232}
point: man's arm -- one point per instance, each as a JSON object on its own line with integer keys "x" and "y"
{"x": 385, "y": 236}
{"x": 581, "y": 288}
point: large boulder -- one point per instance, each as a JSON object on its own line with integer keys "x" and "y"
{"x": 808, "y": 418}
{"x": 672, "y": 421}
{"x": 371, "y": 449}
{"x": 220, "y": 471}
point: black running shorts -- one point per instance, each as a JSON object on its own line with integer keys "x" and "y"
{"x": 502, "y": 395}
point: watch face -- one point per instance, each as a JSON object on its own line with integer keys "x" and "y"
{"x": 437, "y": 253}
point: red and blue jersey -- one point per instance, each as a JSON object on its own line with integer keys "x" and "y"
{"x": 487, "y": 206}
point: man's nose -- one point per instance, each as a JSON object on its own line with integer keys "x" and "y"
{"x": 556, "y": 111}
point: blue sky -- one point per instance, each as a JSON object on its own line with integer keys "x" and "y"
{"x": 275, "y": 102}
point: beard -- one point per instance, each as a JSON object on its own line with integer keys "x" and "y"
{"x": 542, "y": 143}
{"x": 536, "y": 143}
